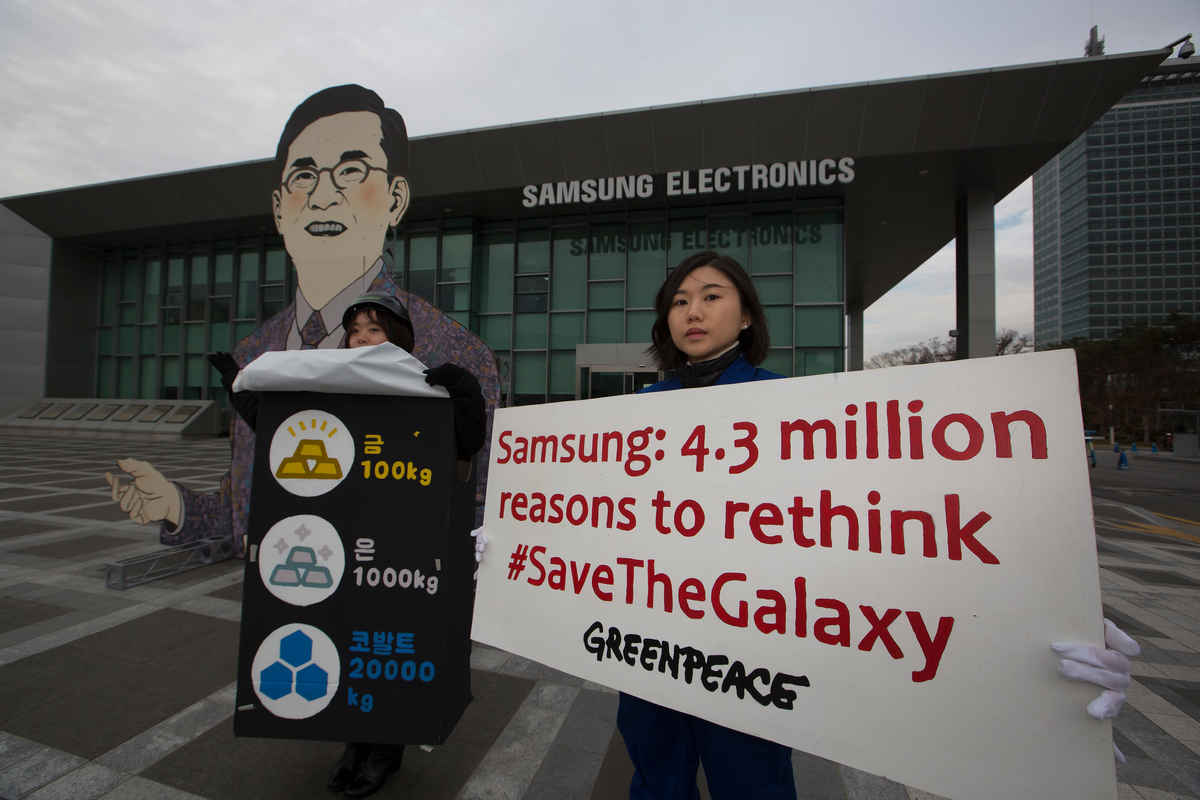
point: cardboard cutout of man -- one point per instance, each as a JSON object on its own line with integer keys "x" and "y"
{"x": 341, "y": 161}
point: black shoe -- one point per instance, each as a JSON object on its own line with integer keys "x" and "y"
{"x": 384, "y": 760}
{"x": 348, "y": 766}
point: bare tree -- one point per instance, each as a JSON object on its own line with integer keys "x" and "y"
{"x": 1008, "y": 342}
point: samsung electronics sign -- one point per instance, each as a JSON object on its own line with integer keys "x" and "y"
{"x": 823, "y": 172}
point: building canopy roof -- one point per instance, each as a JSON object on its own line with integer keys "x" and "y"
{"x": 917, "y": 144}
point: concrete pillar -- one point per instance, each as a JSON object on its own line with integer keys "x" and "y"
{"x": 24, "y": 310}
{"x": 854, "y": 353}
{"x": 975, "y": 245}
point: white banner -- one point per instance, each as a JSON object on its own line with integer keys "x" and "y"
{"x": 868, "y": 566}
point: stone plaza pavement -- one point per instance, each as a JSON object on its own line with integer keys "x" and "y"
{"x": 125, "y": 695}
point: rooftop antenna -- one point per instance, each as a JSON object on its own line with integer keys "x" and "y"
{"x": 1095, "y": 44}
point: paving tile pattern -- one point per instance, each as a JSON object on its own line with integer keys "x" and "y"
{"x": 129, "y": 695}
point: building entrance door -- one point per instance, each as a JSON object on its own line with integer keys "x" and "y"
{"x": 611, "y": 383}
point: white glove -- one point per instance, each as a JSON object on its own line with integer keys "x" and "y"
{"x": 481, "y": 543}
{"x": 1107, "y": 668}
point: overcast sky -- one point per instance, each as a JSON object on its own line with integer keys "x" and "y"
{"x": 111, "y": 89}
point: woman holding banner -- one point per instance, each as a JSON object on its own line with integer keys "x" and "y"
{"x": 711, "y": 330}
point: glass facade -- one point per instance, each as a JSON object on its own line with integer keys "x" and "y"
{"x": 532, "y": 289}
{"x": 1115, "y": 212}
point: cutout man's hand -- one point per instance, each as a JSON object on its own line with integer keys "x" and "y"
{"x": 150, "y": 498}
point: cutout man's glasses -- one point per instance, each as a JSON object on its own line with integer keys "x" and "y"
{"x": 350, "y": 172}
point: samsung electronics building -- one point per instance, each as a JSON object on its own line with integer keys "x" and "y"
{"x": 549, "y": 239}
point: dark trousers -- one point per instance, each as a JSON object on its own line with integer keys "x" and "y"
{"x": 667, "y": 746}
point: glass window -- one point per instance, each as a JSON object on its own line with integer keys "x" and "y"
{"x": 276, "y": 267}
{"x": 129, "y": 280}
{"x": 533, "y": 251}
{"x": 819, "y": 326}
{"x": 685, "y": 237}
{"x": 605, "y": 327}
{"x": 530, "y": 332}
{"x": 150, "y": 290}
{"x": 607, "y": 251}
{"x": 779, "y": 323}
{"x": 108, "y": 293}
{"x": 422, "y": 261}
{"x": 247, "y": 285}
{"x": 818, "y": 362}
{"x": 104, "y": 378}
{"x": 496, "y": 275}
{"x": 818, "y": 258}
{"x": 454, "y": 297}
{"x": 532, "y": 292}
{"x": 223, "y": 274}
{"x": 271, "y": 300}
{"x": 771, "y": 243}
{"x": 170, "y": 378}
{"x": 496, "y": 330}
{"x": 197, "y": 375}
{"x": 638, "y": 325}
{"x": 776, "y": 289}
{"x": 148, "y": 339}
{"x": 126, "y": 339}
{"x": 242, "y": 329}
{"x": 148, "y": 381}
{"x": 194, "y": 337}
{"x": 456, "y": 257}
{"x": 127, "y": 314}
{"x": 647, "y": 264}
{"x": 218, "y": 337}
{"x": 610, "y": 294}
{"x": 780, "y": 361}
{"x": 566, "y": 330}
{"x": 170, "y": 338}
{"x": 218, "y": 309}
{"x": 104, "y": 341}
{"x": 125, "y": 377}
{"x": 198, "y": 290}
{"x": 570, "y": 269}
{"x": 731, "y": 237}
{"x": 529, "y": 382}
{"x": 562, "y": 375}
{"x": 174, "y": 294}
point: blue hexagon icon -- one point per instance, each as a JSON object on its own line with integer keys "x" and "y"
{"x": 296, "y": 648}
{"x": 275, "y": 681}
{"x": 312, "y": 682}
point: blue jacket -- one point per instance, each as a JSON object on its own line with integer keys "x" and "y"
{"x": 739, "y": 371}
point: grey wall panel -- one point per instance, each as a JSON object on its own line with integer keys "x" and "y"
{"x": 630, "y": 143}
{"x": 780, "y": 127}
{"x": 1011, "y": 107}
{"x": 834, "y": 122}
{"x": 25, "y": 257}
{"x": 678, "y": 137}
{"x": 424, "y": 178}
{"x": 728, "y": 133}
{"x": 74, "y": 309}
{"x": 540, "y": 152}
{"x": 23, "y": 346}
{"x": 950, "y": 111}
{"x": 29, "y": 282}
{"x": 585, "y": 151}
{"x": 21, "y": 314}
{"x": 891, "y": 112}
{"x": 456, "y": 163}
{"x": 496, "y": 151}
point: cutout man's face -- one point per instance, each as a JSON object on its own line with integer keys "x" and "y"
{"x": 336, "y": 199}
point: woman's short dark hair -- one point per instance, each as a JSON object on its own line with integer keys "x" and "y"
{"x": 755, "y": 340}
{"x": 397, "y": 333}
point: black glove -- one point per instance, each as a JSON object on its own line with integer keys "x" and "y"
{"x": 470, "y": 409}
{"x": 245, "y": 403}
